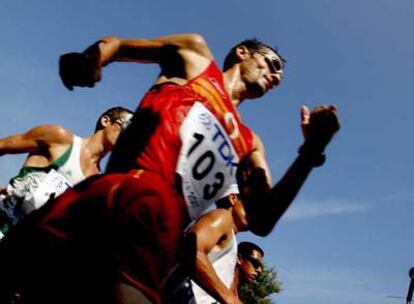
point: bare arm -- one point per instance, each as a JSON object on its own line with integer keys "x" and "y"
{"x": 182, "y": 56}
{"x": 146, "y": 50}
{"x": 264, "y": 204}
{"x": 207, "y": 232}
{"x": 37, "y": 139}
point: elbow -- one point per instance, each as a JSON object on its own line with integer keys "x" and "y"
{"x": 261, "y": 220}
{"x": 111, "y": 42}
{"x": 196, "y": 38}
{"x": 111, "y": 39}
{"x": 261, "y": 229}
{"x": 105, "y": 49}
{"x": 196, "y": 41}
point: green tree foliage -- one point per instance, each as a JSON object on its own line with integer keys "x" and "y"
{"x": 259, "y": 292}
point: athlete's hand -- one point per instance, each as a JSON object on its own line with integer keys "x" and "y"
{"x": 79, "y": 69}
{"x": 319, "y": 126}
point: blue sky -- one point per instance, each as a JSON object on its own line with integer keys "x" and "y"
{"x": 346, "y": 239}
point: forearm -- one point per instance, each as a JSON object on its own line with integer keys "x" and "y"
{"x": 284, "y": 192}
{"x": 266, "y": 206}
{"x": 37, "y": 139}
{"x": 104, "y": 50}
{"x": 177, "y": 55}
{"x": 112, "y": 48}
{"x": 17, "y": 144}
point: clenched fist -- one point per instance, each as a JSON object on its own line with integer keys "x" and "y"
{"x": 79, "y": 69}
{"x": 319, "y": 126}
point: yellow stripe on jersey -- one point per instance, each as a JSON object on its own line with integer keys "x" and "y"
{"x": 208, "y": 91}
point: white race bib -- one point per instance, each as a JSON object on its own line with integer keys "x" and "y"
{"x": 208, "y": 161}
{"x": 54, "y": 183}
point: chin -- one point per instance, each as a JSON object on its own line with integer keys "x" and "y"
{"x": 251, "y": 280}
{"x": 260, "y": 90}
{"x": 256, "y": 95}
{"x": 256, "y": 91}
{"x": 260, "y": 94}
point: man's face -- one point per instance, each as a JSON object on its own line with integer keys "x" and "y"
{"x": 124, "y": 120}
{"x": 115, "y": 127}
{"x": 250, "y": 266}
{"x": 261, "y": 71}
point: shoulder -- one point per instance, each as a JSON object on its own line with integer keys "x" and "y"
{"x": 193, "y": 41}
{"x": 216, "y": 218}
{"x": 193, "y": 44}
{"x": 198, "y": 43}
{"x": 55, "y": 134}
{"x": 218, "y": 214}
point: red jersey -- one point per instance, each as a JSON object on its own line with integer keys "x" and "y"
{"x": 126, "y": 227}
{"x": 193, "y": 130}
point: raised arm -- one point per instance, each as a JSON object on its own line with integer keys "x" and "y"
{"x": 211, "y": 229}
{"x": 37, "y": 139}
{"x": 182, "y": 56}
{"x": 265, "y": 204}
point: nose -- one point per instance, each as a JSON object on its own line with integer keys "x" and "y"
{"x": 276, "y": 78}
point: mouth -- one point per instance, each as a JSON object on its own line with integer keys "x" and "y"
{"x": 267, "y": 84}
{"x": 272, "y": 83}
{"x": 254, "y": 277}
{"x": 276, "y": 81}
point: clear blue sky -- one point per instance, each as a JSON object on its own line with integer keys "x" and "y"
{"x": 346, "y": 239}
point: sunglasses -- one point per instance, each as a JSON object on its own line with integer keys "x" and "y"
{"x": 255, "y": 262}
{"x": 275, "y": 64}
{"x": 122, "y": 123}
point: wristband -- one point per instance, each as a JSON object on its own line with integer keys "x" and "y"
{"x": 316, "y": 159}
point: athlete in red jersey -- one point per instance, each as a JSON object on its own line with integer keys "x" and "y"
{"x": 180, "y": 153}
{"x": 199, "y": 136}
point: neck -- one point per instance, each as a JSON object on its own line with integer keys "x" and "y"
{"x": 95, "y": 147}
{"x": 234, "y": 86}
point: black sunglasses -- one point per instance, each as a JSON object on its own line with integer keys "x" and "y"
{"x": 255, "y": 262}
{"x": 274, "y": 64}
{"x": 122, "y": 123}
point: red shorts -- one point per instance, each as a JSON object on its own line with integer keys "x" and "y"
{"x": 116, "y": 228}
{"x": 150, "y": 218}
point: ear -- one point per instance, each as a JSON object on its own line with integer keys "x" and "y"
{"x": 242, "y": 52}
{"x": 233, "y": 198}
{"x": 105, "y": 121}
{"x": 238, "y": 262}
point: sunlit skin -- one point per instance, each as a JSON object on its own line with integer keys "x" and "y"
{"x": 214, "y": 231}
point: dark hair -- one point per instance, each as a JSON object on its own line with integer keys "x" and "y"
{"x": 225, "y": 202}
{"x": 253, "y": 45}
{"x": 244, "y": 249}
{"x": 113, "y": 114}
